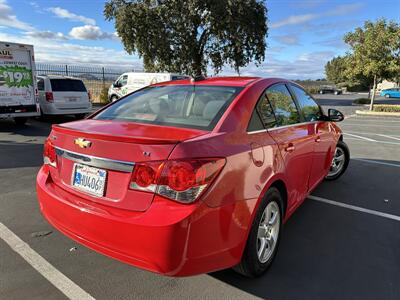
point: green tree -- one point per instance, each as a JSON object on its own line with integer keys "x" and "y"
{"x": 375, "y": 52}
{"x": 188, "y": 36}
{"x": 336, "y": 69}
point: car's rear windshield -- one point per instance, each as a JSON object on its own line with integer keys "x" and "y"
{"x": 190, "y": 106}
{"x": 67, "y": 85}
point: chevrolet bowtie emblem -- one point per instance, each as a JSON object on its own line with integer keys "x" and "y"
{"x": 82, "y": 143}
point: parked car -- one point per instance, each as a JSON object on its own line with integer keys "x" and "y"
{"x": 132, "y": 81}
{"x": 62, "y": 95}
{"x": 190, "y": 177}
{"x": 391, "y": 93}
{"x": 329, "y": 90}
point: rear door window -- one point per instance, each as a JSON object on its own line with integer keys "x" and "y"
{"x": 265, "y": 111}
{"x": 173, "y": 105}
{"x": 310, "y": 110}
{"x": 283, "y": 106}
{"x": 67, "y": 85}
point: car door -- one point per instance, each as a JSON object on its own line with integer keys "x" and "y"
{"x": 295, "y": 140}
{"x": 322, "y": 135}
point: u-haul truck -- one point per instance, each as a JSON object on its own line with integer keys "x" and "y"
{"x": 18, "y": 87}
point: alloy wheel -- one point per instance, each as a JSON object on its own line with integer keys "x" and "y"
{"x": 337, "y": 162}
{"x": 268, "y": 231}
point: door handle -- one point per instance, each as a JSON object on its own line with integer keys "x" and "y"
{"x": 318, "y": 139}
{"x": 289, "y": 148}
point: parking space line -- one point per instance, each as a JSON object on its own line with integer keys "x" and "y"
{"x": 371, "y": 133}
{"x": 59, "y": 280}
{"x": 389, "y": 137}
{"x": 371, "y": 161}
{"x": 364, "y": 139}
{"x": 356, "y": 208}
{"x": 369, "y": 125}
{"x": 360, "y": 137}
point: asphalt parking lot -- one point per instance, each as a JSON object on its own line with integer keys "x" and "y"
{"x": 342, "y": 243}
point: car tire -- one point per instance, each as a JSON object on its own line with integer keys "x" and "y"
{"x": 339, "y": 166}
{"x": 20, "y": 120}
{"x": 113, "y": 98}
{"x": 336, "y": 93}
{"x": 387, "y": 96}
{"x": 251, "y": 264}
{"x": 321, "y": 92}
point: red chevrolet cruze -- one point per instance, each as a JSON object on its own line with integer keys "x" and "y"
{"x": 190, "y": 176}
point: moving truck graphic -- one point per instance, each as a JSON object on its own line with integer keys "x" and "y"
{"x": 18, "y": 90}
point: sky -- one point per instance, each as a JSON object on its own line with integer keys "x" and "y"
{"x": 302, "y": 36}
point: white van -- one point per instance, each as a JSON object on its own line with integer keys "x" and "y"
{"x": 18, "y": 93}
{"x": 132, "y": 81}
{"x": 62, "y": 95}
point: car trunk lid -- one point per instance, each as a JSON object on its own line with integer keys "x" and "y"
{"x": 114, "y": 147}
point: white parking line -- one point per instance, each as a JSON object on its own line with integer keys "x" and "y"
{"x": 371, "y": 133}
{"x": 364, "y": 139}
{"x": 59, "y": 280}
{"x": 356, "y": 208}
{"x": 360, "y": 137}
{"x": 376, "y": 162}
{"x": 389, "y": 137}
{"x": 368, "y": 125}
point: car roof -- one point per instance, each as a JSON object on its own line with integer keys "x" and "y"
{"x": 55, "y": 76}
{"x": 216, "y": 81}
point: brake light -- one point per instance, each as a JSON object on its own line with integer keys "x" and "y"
{"x": 49, "y": 97}
{"x": 49, "y": 153}
{"x": 144, "y": 176}
{"x": 179, "y": 180}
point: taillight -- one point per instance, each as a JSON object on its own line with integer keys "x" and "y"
{"x": 49, "y": 97}
{"x": 49, "y": 153}
{"x": 179, "y": 180}
{"x": 145, "y": 176}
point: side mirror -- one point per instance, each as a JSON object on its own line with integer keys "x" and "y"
{"x": 335, "y": 115}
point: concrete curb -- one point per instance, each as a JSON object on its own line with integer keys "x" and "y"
{"x": 376, "y": 113}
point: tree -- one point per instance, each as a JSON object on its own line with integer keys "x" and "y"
{"x": 189, "y": 36}
{"x": 336, "y": 69}
{"x": 375, "y": 52}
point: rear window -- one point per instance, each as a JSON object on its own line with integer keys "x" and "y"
{"x": 173, "y": 105}
{"x": 67, "y": 85}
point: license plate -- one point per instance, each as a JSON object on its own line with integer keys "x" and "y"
{"x": 72, "y": 99}
{"x": 89, "y": 179}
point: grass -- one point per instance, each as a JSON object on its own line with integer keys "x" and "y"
{"x": 387, "y": 108}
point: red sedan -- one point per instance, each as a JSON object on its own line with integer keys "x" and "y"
{"x": 191, "y": 176}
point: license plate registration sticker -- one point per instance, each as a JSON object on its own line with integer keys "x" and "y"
{"x": 89, "y": 179}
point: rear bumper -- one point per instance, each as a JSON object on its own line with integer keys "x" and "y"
{"x": 19, "y": 111}
{"x": 52, "y": 110}
{"x": 169, "y": 238}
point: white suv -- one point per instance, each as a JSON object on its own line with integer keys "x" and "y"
{"x": 61, "y": 95}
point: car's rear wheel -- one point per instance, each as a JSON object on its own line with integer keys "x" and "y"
{"x": 340, "y": 161}
{"x": 113, "y": 98}
{"x": 264, "y": 236}
{"x": 387, "y": 96}
{"x": 20, "y": 120}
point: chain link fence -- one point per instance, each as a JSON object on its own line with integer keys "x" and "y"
{"x": 97, "y": 79}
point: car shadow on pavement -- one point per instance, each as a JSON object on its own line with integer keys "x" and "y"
{"x": 20, "y": 155}
{"x": 8, "y": 126}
